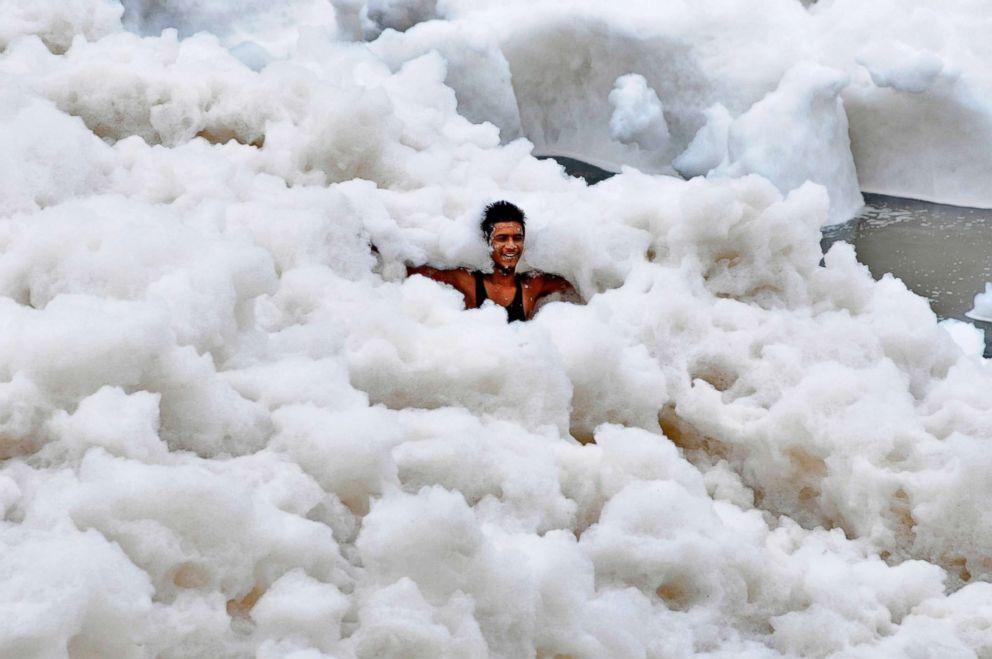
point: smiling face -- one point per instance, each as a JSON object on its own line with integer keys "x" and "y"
{"x": 506, "y": 244}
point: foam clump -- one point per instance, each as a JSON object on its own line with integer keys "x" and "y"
{"x": 637, "y": 113}
{"x": 475, "y": 68}
{"x": 901, "y": 67}
{"x": 982, "y": 307}
{"x": 795, "y": 134}
{"x": 48, "y": 157}
{"x": 58, "y": 22}
{"x": 709, "y": 148}
{"x": 230, "y": 428}
{"x": 971, "y": 339}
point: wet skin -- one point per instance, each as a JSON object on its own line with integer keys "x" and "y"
{"x": 506, "y": 246}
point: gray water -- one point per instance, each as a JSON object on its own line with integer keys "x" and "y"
{"x": 943, "y": 253}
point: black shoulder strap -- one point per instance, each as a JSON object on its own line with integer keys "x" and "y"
{"x": 480, "y": 289}
{"x": 516, "y": 309}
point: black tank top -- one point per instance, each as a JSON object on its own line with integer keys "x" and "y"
{"x": 516, "y": 309}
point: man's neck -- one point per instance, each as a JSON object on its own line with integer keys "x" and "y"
{"x": 503, "y": 275}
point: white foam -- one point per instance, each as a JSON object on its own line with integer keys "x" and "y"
{"x": 228, "y": 428}
{"x": 638, "y": 116}
{"x": 970, "y": 338}
{"x": 982, "y": 307}
{"x": 795, "y": 134}
{"x": 564, "y": 59}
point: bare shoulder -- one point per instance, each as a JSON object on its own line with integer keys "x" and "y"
{"x": 547, "y": 283}
{"x": 462, "y": 278}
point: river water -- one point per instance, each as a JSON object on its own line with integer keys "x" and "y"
{"x": 943, "y": 253}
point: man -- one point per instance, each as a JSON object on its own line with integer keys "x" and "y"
{"x": 503, "y": 226}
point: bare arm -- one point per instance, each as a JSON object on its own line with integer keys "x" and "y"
{"x": 551, "y": 284}
{"x": 459, "y": 278}
{"x": 446, "y": 276}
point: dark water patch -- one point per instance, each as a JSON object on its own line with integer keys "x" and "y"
{"x": 579, "y": 169}
{"x": 943, "y": 253}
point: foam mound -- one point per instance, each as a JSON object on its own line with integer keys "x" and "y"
{"x": 982, "y": 307}
{"x": 229, "y": 428}
{"x": 911, "y": 85}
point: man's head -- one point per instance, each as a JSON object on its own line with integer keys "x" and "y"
{"x": 503, "y": 226}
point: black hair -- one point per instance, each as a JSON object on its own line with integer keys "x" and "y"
{"x": 501, "y": 211}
